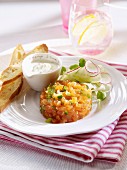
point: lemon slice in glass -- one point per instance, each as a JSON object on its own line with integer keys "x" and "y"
{"x": 82, "y": 24}
{"x": 95, "y": 33}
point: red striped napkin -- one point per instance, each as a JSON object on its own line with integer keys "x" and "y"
{"x": 105, "y": 144}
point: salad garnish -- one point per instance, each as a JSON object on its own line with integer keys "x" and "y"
{"x": 94, "y": 76}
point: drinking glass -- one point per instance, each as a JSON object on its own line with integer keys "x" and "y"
{"x": 90, "y": 26}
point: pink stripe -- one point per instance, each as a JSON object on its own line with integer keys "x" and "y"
{"x": 115, "y": 155}
{"x": 108, "y": 133}
{"x": 93, "y": 140}
{"x": 56, "y": 53}
{"x": 113, "y": 142}
{"x": 101, "y": 133}
{"x": 111, "y": 153}
{"x": 94, "y": 136}
{"x": 118, "y": 137}
{"x": 116, "y": 64}
{"x": 112, "y": 128}
{"x": 122, "y": 69}
{"x": 97, "y": 139}
{"x": 112, "y": 147}
{"x": 124, "y": 113}
{"x": 119, "y": 133}
{"x": 85, "y": 157}
{"x": 123, "y": 118}
{"x": 108, "y": 159}
{"x": 91, "y": 147}
{"x": 84, "y": 150}
{"x": 120, "y": 128}
{"x": 68, "y": 54}
{"x": 122, "y": 124}
{"x": 86, "y": 134}
{"x": 92, "y": 143}
{"x": 60, "y": 54}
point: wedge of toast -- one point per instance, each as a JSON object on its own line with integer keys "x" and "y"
{"x": 39, "y": 49}
{"x": 9, "y": 91}
{"x": 17, "y": 56}
{"x": 9, "y": 75}
{"x": 15, "y": 68}
{"x": 11, "y": 79}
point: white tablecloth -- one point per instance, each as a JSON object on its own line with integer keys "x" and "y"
{"x": 26, "y": 22}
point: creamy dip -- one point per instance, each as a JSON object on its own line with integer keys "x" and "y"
{"x": 37, "y": 66}
{"x": 42, "y": 67}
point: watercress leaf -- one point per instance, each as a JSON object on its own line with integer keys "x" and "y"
{"x": 82, "y": 62}
{"x": 101, "y": 95}
{"x": 73, "y": 66}
{"x": 63, "y": 69}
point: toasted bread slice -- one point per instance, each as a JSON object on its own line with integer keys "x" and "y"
{"x": 9, "y": 91}
{"x": 39, "y": 49}
{"x": 18, "y": 55}
{"x": 10, "y": 74}
{"x": 14, "y": 70}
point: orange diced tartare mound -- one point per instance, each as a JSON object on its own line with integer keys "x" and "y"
{"x": 65, "y": 102}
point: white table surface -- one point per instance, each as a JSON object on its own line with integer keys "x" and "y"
{"x": 31, "y": 21}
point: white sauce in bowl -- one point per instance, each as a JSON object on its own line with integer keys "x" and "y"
{"x": 41, "y": 67}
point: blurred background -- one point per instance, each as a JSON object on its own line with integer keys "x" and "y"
{"x": 25, "y": 21}
{"x": 26, "y": 18}
{"x": 25, "y": 15}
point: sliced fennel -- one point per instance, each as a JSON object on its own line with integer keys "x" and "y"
{"x": 94, "y": 76}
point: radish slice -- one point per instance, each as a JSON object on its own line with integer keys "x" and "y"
{"x": 92, "y": 69}
{"x": 105, "y": 78}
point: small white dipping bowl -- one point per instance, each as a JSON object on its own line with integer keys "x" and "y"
{"x": 41, "y": 69}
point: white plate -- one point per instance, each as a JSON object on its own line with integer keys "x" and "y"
{"x": 24, "y": 115}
